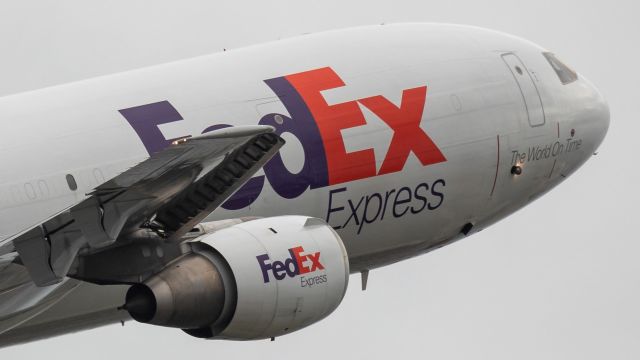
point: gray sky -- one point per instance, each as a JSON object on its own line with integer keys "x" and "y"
{"x": 557, "y": 280}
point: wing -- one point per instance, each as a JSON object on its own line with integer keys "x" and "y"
{"x": 74, "y": 306}
{"x": 169, "y": 193}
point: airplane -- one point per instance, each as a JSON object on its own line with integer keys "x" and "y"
{"x": 232, "y": 195}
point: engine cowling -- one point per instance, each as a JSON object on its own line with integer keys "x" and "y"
{"x": 259, "y": 279}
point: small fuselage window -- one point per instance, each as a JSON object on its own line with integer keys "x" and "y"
{"x": 565, "y": 73}
{"x": 71, "y": 181}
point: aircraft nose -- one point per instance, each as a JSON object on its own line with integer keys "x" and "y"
{"x": 585, "y": 107}
{"x": 594, "y": 112}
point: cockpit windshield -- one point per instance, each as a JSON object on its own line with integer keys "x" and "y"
{"x": 565, "y": 73}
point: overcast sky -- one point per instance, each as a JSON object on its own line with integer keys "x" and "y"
{"x": 557, "y": 280}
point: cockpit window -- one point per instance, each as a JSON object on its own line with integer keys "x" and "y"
{"x": 565, "y": 73}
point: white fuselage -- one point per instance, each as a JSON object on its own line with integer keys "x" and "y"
{"x": 337, "y": 98}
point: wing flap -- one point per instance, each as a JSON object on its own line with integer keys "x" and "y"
{"x": 188, "y": 209}
{"x": 170, "y": 192}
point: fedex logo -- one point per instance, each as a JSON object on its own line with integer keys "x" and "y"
{"x": 297, "y": 264}
{"x": 318, "y": 126}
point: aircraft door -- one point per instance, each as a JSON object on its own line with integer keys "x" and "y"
{"x": 528, "y": 89}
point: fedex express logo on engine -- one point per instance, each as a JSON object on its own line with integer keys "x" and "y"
{"x": 297, "y": 264}
{"x": 318, "y": 126}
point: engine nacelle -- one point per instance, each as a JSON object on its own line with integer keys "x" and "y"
{"x": 259, "y": 279}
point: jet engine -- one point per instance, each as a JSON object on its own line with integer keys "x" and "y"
{"x": 258, "y": 279}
